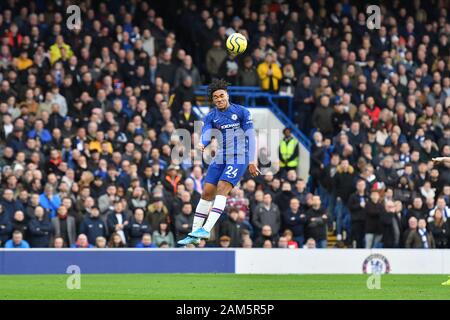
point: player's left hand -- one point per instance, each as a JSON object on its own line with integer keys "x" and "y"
{"x": 254, "y": 171}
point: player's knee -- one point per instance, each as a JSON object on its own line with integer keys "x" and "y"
{"x": 224, "y": 189}
{"x": 208, "y": 196}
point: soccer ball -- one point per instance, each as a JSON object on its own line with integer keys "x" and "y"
{"x": 236, "y": 43}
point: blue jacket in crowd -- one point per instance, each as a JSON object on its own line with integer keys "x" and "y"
{"x": 51, "y": 206}
{"x": 44, "y": 135}
{"x": 10, "y": 207}
{"x": 5, "y": 228}
{"x": 40, "y": 233}
{"x": 137, "y": 230}
{"x": 141, "y": 245}
{"x": 294, "y": 222}
{"x": 93, "y": 228}
{"x": 23, "y": 245}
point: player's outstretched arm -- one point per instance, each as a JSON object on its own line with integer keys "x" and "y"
{"x": 441, "y": 160}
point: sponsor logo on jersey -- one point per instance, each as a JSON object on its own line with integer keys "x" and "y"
{"x": 231, "y": 125}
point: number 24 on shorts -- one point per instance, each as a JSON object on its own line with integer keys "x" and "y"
{"x": 230, "y": 172}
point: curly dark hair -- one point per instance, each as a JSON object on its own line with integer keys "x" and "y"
{"x": 216, "y": 84}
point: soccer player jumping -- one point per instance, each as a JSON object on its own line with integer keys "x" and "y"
{"x": 236, "y": 152}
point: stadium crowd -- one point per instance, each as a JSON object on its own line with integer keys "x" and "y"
{"x": 86, "y": 118}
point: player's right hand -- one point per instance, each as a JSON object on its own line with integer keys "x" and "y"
{"x": 201, "y": 147}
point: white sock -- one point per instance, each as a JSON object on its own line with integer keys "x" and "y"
{"x": 216, "y": 212}
{"x": 201, "y": 213}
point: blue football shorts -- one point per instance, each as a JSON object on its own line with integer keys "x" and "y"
{"x": 231, "y": 173}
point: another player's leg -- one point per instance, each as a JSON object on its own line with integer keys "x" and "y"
{"x": 223, "y": 189}
{"x": 201, "y": 213}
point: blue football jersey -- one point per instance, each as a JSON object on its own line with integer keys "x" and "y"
{"x": 234, "y": 131}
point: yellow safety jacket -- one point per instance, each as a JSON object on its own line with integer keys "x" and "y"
{"x": 287, "y": 149}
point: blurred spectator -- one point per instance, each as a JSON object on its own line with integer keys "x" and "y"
{"x": 247, "y": 75}
{"x": 49, "y": 201}
{"x": 269, "y": 73}
{"x": 187, "y": 69}
{"x": 116, "y": 221}
{"x": 17, "y": 241}
{"x": 282, "y": 243}
{"x": 115, "y": 241}
{"x": 157, "y": 213}
{"x": 316, "y": 223}
{"x": 310, "y": 244}
{"x": 184, "y": 220}
{"x": 58, "y": 243}
{"x": 41, "y": 229}
{"x": 9, "y": 204}
{"x": 439, "y": 228}
{"x": 358, "y": 211}
{"x": 267, "y": 213}
{"x": 266, "y": 235}
{"x": 421, "y": 237}
{"x": 231, "y": 228}
{"x": 288, "y": 151}
{"x": 322, "y": 115}
{"x": 224, "y": 242}
{"x": 373, "y": 230}
{"x": 93, "y": 226}
{"x": 20, "y": 223}
{"x": 137, "y": 227}
{"x": 100, "y": 242}
{"x": 294, "y": 220}
{"x": 342, "y": 189}
{"x": 64, "y": 226}
{"x": 82, "y": 242}
{"x": 214, "y": 58}
{"x": 391, "y": 225}
{"x": 163, "y": 235}
{"x": 146, "y": 242}
{"x": 229, "y": 70}
{"x": 5, "y": 226}
{"x": 291, "y": 244}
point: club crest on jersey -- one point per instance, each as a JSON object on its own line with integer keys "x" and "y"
{"x": 234, "y": 116}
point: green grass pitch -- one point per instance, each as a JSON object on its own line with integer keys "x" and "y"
{"x": 223, "y": 287}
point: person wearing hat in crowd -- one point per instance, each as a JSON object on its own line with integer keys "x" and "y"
{"x": 224, "y": 242}
{"x": 247, "y": 75}
{"x": 172, "y": 179}
{"x": 67, "y": 129}
{"x": 157, "y": 212}
{"x": 184, "y": 220}
{"x": 15, "y": 140}
{"x": 231, "y": 229}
